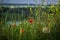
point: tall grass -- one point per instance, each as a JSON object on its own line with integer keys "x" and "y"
{"x": 28, "y": 29}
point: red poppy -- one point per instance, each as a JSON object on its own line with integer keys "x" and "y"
{"x": 22, "y": 31}
{"x": 30, "y": 20}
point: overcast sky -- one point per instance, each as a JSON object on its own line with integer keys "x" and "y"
{"x": 28, "y": 1}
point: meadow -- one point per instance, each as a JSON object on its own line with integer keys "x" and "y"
{"x": 37, "y": 23}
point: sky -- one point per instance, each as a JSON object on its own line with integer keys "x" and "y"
{"x": 28, "y": 2}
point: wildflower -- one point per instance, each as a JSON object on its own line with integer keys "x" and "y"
{"x": 46, "y": 30}
{"x": 30, "y": 20}
{"x": 22, "y": 31}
